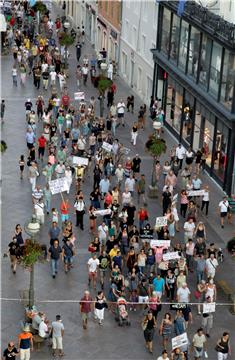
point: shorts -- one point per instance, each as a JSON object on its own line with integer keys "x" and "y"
{"x": 68, "y": 259}
{"x": 57, "y": 342}
{"x": 198, "y": 352}
{"x": 186, "y": 313}
{"x": 64, "y": 217}
{"x": 92, "y": 275}
{"x": 143, "y": 299}
{"x": 30, "y": 146}
{"x": 120, "y": 115}
{"x": 84, "y": 316}
{"x": 223, "y": 214}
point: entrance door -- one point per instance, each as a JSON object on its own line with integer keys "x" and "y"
{"x": 132, "y": 73}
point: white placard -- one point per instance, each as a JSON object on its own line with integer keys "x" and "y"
{"x": 107, "y": 147}
{"x": 59, "y": 185}
{"x": 208, "y": 307}
{"x": 175, "y": 198}
{"x": 160, "y": 243}
{"x": 161, "y": 221}
{"x": 180, "y": 340}
{"x": 79, "y": 95}
{"x": 77, "y": 160}
{"x": 171, "y": 256}
{"x": 196, "y": 193}
{"x": 102, "y": 212}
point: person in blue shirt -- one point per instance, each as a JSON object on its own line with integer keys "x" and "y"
{"x": 159, "y": 285}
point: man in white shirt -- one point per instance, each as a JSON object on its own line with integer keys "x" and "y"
{"x": 92, "y": 264}
{"x": 39, "y": 211}
{"x": 189, "y": 228}
{"x": 121, "y": 111}
{"x": 224, "y": 208}
{"x": 126, "y": 197}
{"x": 103, "y": 233}
{"x": 183, "y": 294}
{"x": 130, "y": 184}
{"x": 43, "y": 330}
{"x": 211, "y": 266}
{"x": 180, "y": 154}
{"x": 119, "y": 174}
{"x": 53, "y": 77}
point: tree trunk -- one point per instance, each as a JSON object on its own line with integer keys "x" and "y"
{"x": 31, "y": 288}
{"x": 153, "y": 188}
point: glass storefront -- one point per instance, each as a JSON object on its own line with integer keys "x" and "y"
{"x": 165, "y": 39}
{"x": 228, "y": 79}
{"x": 221, "y": 146}
{"x": 194, "y": 48}
{"x": 183, "y": 49}
{"x": 215, "y": 69}
{"x": 205, "y": 61}
{"x": 188, "y": 116}
{"x": 175, "y": 38}
{"x": 174, "y": 104}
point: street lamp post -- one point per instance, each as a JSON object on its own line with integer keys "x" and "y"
{"x": 32, "y": 228}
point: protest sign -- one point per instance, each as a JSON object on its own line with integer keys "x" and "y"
{"x": 208, "y": 307}
{"x": 161, "y": 221}
{"x": 180, "y": 340}
{"x": 102, "y": 212}
{"x": 175, "y": 198}
{"x": 79, "y": 95}
{"x": 171, "y": 256}
{"x": 196, "y": 193}
{"x": 178, "y": 306}
{"x": 165, "y": 243}
{"x": 77, "y": 160}
{"x": 59, "y": 185}
{"x": 107, "y": 147}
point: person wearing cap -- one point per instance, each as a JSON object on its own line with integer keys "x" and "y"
{"x": 25, "y": 342}
{"x": 10, "y": 352}
{"x": 57, "y": 335}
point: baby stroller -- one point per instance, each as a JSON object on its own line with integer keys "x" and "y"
{"x": 122, "y": 313}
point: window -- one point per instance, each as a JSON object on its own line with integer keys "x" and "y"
{"x": 134, "y": 36}
{"x": 139, "y": 79}
{"x": 165, "y": 40}
{"x": 106, "y": 6}
{"x": 149, "y": 87}
{"x": 174, "y": 104}
{"x": 193, "y": 56}
{"x": 228, "y": 78}
{"x": 221, "y": 146}
{"x": 208, "y": 136}
{"x": 155, "y": 16}
{"x": 188, "y": 116}
{"x": 143, "y": 46}
{"x": 127, "y": 29}
{"x": 215, "y": 69}
{"x": 124, "y": 63}
{"x": 175, "y": 38}
{"x": 183, "y": 52}
{"x": 205, "y": 61}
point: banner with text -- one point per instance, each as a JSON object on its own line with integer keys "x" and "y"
{"x": 59, "y": 185}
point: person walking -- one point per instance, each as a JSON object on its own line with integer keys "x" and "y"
{"x": 224, "y": 209}
{"x": 134, "y": 134}
{"x": 3, "y": 107}
{"x": 10, "y": 352}
{"x": 25, "y": 342}
{"x": 54, "y": 254}
{"x": 14, "y": 252}
{"x": 180, "y": 154}
{"x": 21, "y": 166}
{"x": 57, "y": 336}
{"x": 121, "y": 112}
{"x": 79, "y": 206}
{"x": 93, "y": 265}
{"x": 148, "y": 325}
{"x": 207, "y": 318}
{"x": 100, "y": 306}
{"x": 199, "y": 344}
{"x": 166, "y": 329}
{"x": 86, "y": 307}
{"x": 223, "y": 347}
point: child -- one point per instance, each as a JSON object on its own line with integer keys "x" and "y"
{"x": 133, "y": 299}
{"x": 21, "y": 165}
{"x": 55, "y": 215}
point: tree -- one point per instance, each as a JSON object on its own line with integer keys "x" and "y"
{"x": 156, "y": 147}
{"x": 102, "y": 83}
{"x": 66, "y": 40}
{"x": 32, "y": 253}
{"x": 41, "y": 7}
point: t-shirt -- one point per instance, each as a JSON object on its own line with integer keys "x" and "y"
{"x": 183, "y": 294}
{"x": 25, "y": 338}
{"x": 13, "y": 248}
{"x": 104, "y": 262}
{"x": 198, "y": 341}
{"x": 42, "y": 142}
{"x": 43, "y": 329}
{"x": 223, "y": 205}
{"x": 93, "y": 264}
{"x": 55, "y": 252}
{"x": 10, "y": 354}
{"x": 158, "y": 284}
{"x": 57, "y": 327}
{"x": 136, "y": 164}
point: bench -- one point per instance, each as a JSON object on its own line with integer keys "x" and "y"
{"x": 227, "y": 290}
{"x": 38, "y": 341}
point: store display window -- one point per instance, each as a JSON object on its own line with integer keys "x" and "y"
{"x": 183, "y": 52}
{"x": 215, "y": 69}
{"x": 174, "y": 104}
{"x": 205, "y": 61}
{"x": 193, "y": 58}
{"x": 221, "y": 145}
{"x": 175, "y": 38}
{"x": 188, "y": 117}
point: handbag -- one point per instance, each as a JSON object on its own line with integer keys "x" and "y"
{"x": 91, "y": 249}
{"x": 197, "y": 294}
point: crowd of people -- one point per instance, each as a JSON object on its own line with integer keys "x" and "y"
{"x": 127, "y": 270}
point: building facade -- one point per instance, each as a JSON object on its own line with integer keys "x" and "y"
{"x": 138, "y": 36}
{"x": 109, "y": 28}
{"x": 194, "y": 75}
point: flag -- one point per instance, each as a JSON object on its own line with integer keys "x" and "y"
{"x": 32, "y": 3}
{"x": 181, "y": 6}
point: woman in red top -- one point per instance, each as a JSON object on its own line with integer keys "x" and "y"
{"x": 64, "y": 209}
{"x": 142, "y": 216}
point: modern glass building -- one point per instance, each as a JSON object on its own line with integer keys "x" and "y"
{"x": 194, "y": 75}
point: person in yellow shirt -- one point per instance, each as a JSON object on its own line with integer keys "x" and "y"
{"x": 113, "y": 252}
{"x": 27, "y": 43}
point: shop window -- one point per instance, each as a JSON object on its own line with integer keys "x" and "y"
{"x": 183, "y": 45}
{"x": 165, "y": 40}
{"x": 187, "y": 116}
{"x": 174, "y": 104}
{"x": 220, "y": 155}
{"x": 208, "y": 135}
{"x": 124, "y": 63}
{"x": 205, "y": 61}
{"x": 215, "y": 69}
{"x": 175, "y": 38}
{"x": 228, "y": 79}
{"x": 193, "y": 57}
{"x": 197, "y": 134}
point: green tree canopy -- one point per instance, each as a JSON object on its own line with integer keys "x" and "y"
{"x": 66, "y": 39}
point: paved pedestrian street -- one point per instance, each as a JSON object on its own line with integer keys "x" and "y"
{"x": 68, "y": 126}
